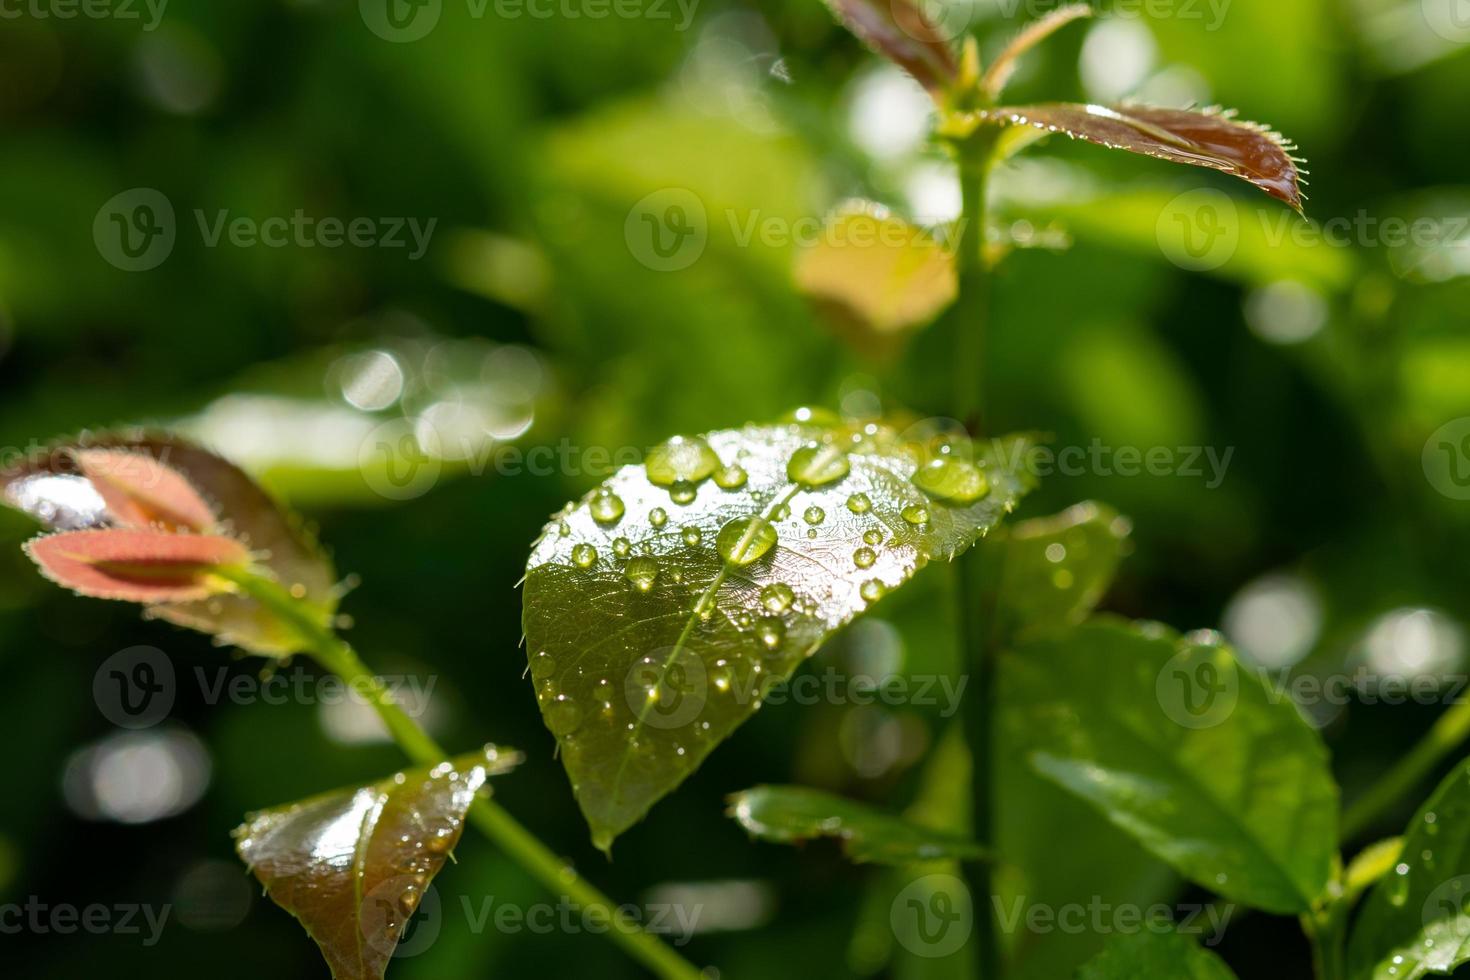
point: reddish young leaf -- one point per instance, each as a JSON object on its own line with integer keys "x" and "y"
{"x": 900, "y": 31}
{"x": 136, "y": 565}
{"x": 140, "y": 491}
{"x": 1203, "y": 138}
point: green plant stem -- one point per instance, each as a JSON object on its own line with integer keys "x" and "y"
{"x": 1324, "y": 928}
{"x": 489, "y": 817}
{"x": 978, "y": 706}
{"x": 1449, "y": 733}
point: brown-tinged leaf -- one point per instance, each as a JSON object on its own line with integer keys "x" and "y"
{"x": 140, "y": 491}
{"x": 901, "y": 31}
{"x": 1004, "y": 66}
{"x": 137, "y": 565}
{"x": 1211, "y": 138}
{"x": 52, "y": 487}
{"x": 353, "y": 865}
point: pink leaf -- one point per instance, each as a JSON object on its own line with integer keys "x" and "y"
{"x": 900, "y": 31}
{"x": 136, "y": 565}
{"x": 141, "y": 491}
{"x": 1203, "y": 138}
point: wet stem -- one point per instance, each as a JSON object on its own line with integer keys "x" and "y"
{"x": 978, "y": 709}
{"x": 488, "y": 817}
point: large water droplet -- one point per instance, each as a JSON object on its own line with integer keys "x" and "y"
{"x": 606, "y": 507}
{"x": 687, "y": 459}
{"x": 543, "y": 665}
{"x": 745, "y": 539}
{"x": 916, "y": 514}
{"x": 692, "y": 536}
{"x": 814, "y": 515}
{"x": 777, "y": 597}
{"x": 583, "y": 555}
{"x": 873, "y": 536}
{"x": 859, "y": 503}
{"x": 642, "y": 572}
{"x": 953, "y": 481}
{"x": 817, "y": 466}
{"x": 658, "y": 517}
{"x": 731, "y": 477}
{"x": 622, "y": 547}
{"x": 864, "y": 557}
{"x": 562, "y": 716}
{"x": 683, "y": 492}
{"x": 872, "y": 590}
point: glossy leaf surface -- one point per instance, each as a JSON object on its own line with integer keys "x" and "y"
{"x": 1212, "y": 138}
{"x": 353, "y": 865}
{"x": 137, "y": 565}
{"x": 1055, "y": 569}
{"x": 138, "y": 490}
{"x": 792, "y": 814}
{"x": 1156, "y": 951}
{"x": 902, "y": 32}
{"x": 656, "y": 617}
{"x": 1416, "y": 920}
{"x": 53, "y": 488}
{"x": 1174, "y": 743}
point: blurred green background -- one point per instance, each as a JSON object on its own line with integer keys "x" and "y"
{"x": 536, "y": 318}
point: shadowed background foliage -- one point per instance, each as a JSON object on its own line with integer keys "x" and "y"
{"x": 1315, "y": 364}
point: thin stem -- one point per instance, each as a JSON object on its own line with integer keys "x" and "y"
{"x": 1449, "y": 732}
{"x": 489, "y": 817}
{"x": 1324, "y": 929}
{"x": 978, "y": 706}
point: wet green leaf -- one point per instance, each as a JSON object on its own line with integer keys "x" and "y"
{"x": 792, "y": 814}
{"x": 52, "y": 488}
{"x": 1055, "y": 569}
{"x": 1177, "y": 745}
{"x": 354, "y": 864}
{"x": 1157, "y": 951}
{"x": 640, "y": 680}
{"x": 1370, "y": 864}
{"x": 1416, "y": 920}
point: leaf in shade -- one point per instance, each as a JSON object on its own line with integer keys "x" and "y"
{"x": 901, "y": 31}
{"x": 793, "y": 814}
{"x": 1173, "y": 743}
{"x": 1416, "y": 920}
{"x": 140, "y": 491}
{"x": 352, "y": 865}
{"x": 137, "y": 565}
{"x": 1158, "y": 950}
{"x": 1004, "y": 65}
{"x": 51, "y": 487}
{"x": 661, "y": 608}
{"x": 876, "y": 274}
{"x": 1210, "y": 138}
{"x": 1054, "y": 570}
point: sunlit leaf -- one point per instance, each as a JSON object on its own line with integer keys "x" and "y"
{"x": 1155, "y": 951}
{"x": 792, "y": 814}
{"x": 1416, "y": 920}
{"x": 901, "y": 31}
{"x": 137, "y": 565}
{"x": 1055, "y": 569}
{"x": 1369, "y": 865}
{"x": 1203, "y": 138}
{"x": 1004, "y": 65}
{"x": 1174, "y": 743}
{"x": 658, "y": 615}
{"x": 353, "y": 865}
{"x": 875, "y": 274}
{"x": 139, "y": 490}
{"x": 52, "y": 487}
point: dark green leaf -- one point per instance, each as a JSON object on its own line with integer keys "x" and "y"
{"x": 1156, "y": 952}
{"x": 1177, "y": 745}
{"x": 902, "y": 32}
{"x": 1055, "y": 569}
{"x": 655, "y": 627}
{"x": 353, "y": 865}
{"x": 1416, "y": 920}
{"x": 51, "y": 488}
{"x": 791, "y": 814}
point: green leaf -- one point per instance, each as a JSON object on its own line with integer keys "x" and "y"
{"x": 658, "y": 616}
{"x": 1370, "y": 864}
{"x": 1054, "y": 570}
{"x": 1416, "y": 921}
{"x": 1156, "y": 952}
{"x": 353, "y": 865}
{"x": 792, "y": 814}
{"x": 52, "y": 487}
{"x": 1176, "y": 745}
{"x": 1211, "y": 138}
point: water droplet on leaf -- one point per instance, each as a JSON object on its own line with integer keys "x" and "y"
{"x": 583, "y": 555}
{"x": 864, "y": 558}
{"x": 642, "y": 572}
{"x": 777, "y": 597}
{"x": 953, "y": 481}
{"x": 745, "y": 539}
{"x": 916, "y": 514}
{"x": 658, "y": 517}
{"x": 683, "y": 459}
{"x": 859, "y": 503}
{"x": 814, "y": 515}
{"x": 731, "y": 477}
{"x": 817, "y": 466}
{"x": 606, "y": 508}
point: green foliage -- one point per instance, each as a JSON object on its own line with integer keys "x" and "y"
{"x": 1157, "y": 951}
